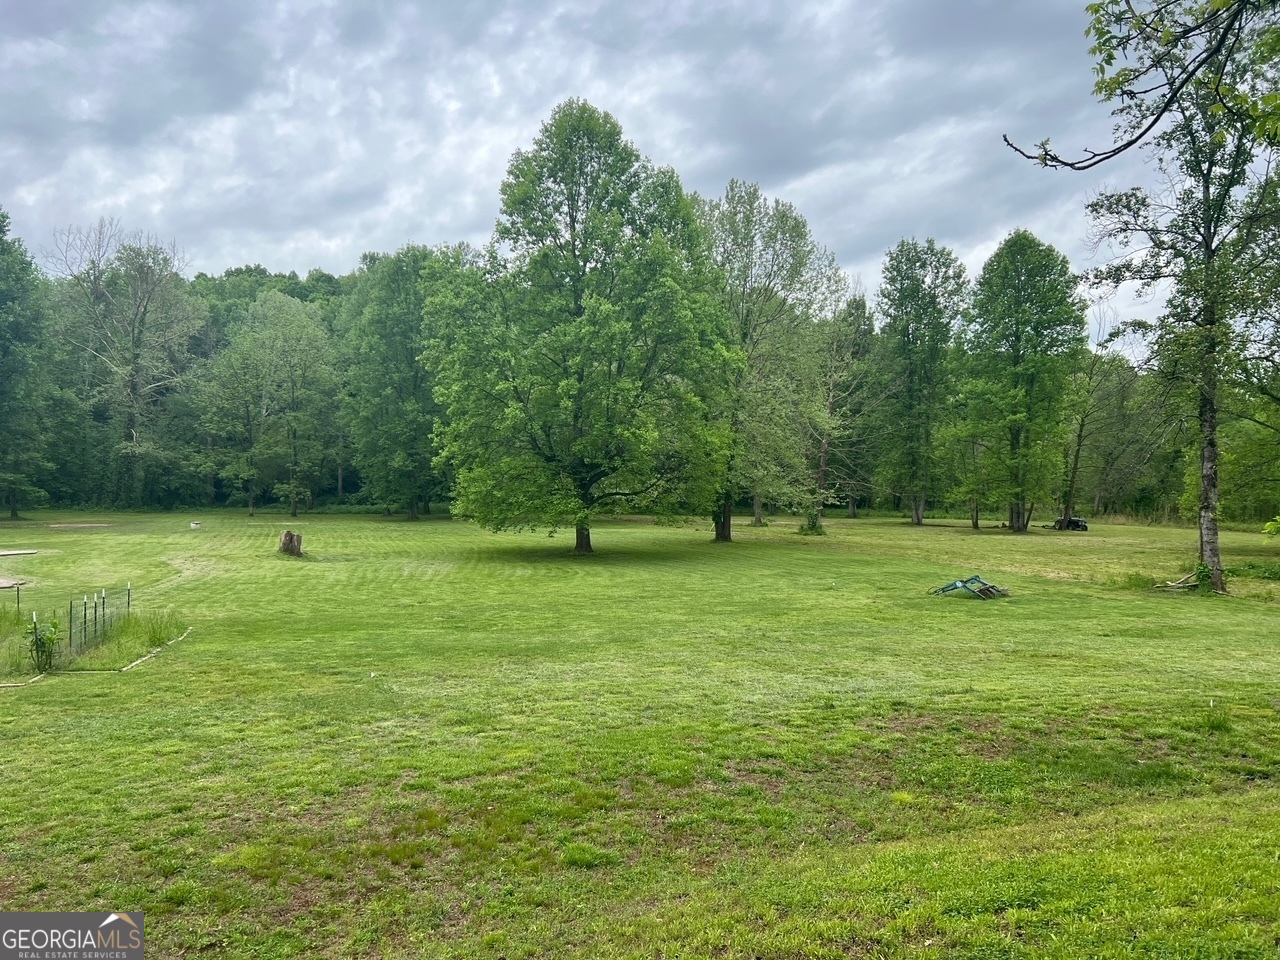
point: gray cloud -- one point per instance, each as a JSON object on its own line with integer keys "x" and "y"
{"x": 302, "y": 133}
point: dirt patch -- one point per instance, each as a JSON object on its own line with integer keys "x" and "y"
{"x": 77, "y": 526}
{"x": 770, "y": 782}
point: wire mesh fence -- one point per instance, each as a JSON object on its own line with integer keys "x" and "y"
{"x": 39, "y": 640}
{"x": 93, "y": 619}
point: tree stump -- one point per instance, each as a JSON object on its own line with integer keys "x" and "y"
{"x": 291, "y": 543}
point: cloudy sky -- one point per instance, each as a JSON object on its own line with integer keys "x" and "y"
{"x": 298, "y": 134}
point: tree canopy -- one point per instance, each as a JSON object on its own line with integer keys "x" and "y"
{"x": 1152, "y": 55}
{"x": 622, "y": 346}
{"x": 575, "y": 369}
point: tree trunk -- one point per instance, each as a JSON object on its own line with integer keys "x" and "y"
{"x": 293, "y": 506}
{"x": 1019, "y": 516}
{"x": 13, "y": 504}
{"x": 291, "y": 543}
{"x": 757, "y": 511}
{"x": 1210, "y": 554}
{"x": 582, "y": 541}
{"x": 413, "y": 508}
{"x": 339, "y": 479}
{"x": 426, "y": 506}
{"x": 1069, "y": 498}
{"x": 210, "y": 478}
{"x": 251, "y": 503}
{"x": 917, "y": 509}
{"x": 723, "y": 519}
{"x": 824, "y": 461}
{"x": 974, "y": 518}
{"x": 853, "y": 507}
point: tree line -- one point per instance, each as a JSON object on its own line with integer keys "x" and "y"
{"x": 624, "y": 345}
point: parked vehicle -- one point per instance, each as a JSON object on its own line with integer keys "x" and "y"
{"x": 1073, "y": 523}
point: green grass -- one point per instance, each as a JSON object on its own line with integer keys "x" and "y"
{"x": 422, "y": 740}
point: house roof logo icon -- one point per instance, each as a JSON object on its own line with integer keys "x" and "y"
{"x": 118, "y": 916}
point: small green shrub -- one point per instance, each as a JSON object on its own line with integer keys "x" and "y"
{"x": 43, "y": 646}
{"x": 812, "y": 525}
{"x": 1204, "y": 576}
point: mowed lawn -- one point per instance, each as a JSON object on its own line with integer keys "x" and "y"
{"x": 423, "y": 740}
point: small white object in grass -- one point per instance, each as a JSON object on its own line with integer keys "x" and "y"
{"x": 195, "y": 524}
{"x": 373, "y": 674}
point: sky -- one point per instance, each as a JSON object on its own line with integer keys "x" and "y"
{"x": 300, "y": 134}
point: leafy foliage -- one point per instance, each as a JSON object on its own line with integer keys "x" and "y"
{"x": 43, "y": 646}
{"x": 25, "y": 384}
{"x": 922, "y": 297}
{"x": 268, "y": 398}
{"x": 778, "y": 287}
{"x": 388, "y": 408}
{"x": 1022, "y": 339}
{"x": 1155, "y": 56}
{"x": 576, "y": 371}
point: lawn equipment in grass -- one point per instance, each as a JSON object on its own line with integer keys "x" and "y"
{"x": 975, "y": 586}
{"x": 1070, "y": 523}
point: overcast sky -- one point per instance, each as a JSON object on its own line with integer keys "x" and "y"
{"x": 299, "y": 134}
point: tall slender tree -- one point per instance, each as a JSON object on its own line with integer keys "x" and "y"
{"x": 1192, "y": 234}
{"x": 845, "y": 429}
{"x": 1022, "y": 339}
{"x": 777, "y": 284}
{"x": 922, "y": 296}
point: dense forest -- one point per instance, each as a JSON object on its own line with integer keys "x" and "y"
{"x": 624, "y": 345}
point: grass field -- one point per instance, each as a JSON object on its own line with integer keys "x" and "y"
{"x": 422, "y": 740}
